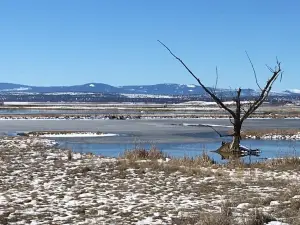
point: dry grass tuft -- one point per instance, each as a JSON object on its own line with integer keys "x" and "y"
{"x": 79, "y": 170}
{"x": 258, "y": 218}
{"x": 225, "y": 217}
{"x": 215, "y": 219}
{"x": 143, "y": 154}
{"x": 203, "y": 160}
{"x": 286, "y": 163}
{"x": 152, "y": 160}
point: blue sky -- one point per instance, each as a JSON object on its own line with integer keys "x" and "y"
{"x": 64, "y": 42}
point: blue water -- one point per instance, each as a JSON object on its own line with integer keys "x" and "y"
{"x": 269, "y": 148}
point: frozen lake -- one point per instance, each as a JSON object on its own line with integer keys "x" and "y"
{"x": 175, "y": 140}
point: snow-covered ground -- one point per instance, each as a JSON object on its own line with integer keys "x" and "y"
{"x": 146, "y": 96}
{"x": 66, "y": 117}
{"x": 77, "y": 134}
{"x": 295, "y": 136}
{"x": 40, "y": 184}
{"x": 69, "y": 103}
{"x": 204, "y": 103}
{"x": 205, "y": 125}
{"x": 142, "y": 115}
{"x": 113, "y": 107}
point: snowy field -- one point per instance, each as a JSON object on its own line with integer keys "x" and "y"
{"x": 44, "y": 185}
{"x": 114, "y": 110}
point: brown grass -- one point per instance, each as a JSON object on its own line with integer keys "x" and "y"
{"x": 187, "y": 165}
{"x": 287, "y": 163}
{"x": 193, "y": 164}
{"x": 279, "y": 164}
{"x": 203, "y": 160}
{"x": 225, "y": 217}
{"x": 143, "y": 154}
{"x": 258, "y": 218}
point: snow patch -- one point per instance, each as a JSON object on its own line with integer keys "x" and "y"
{"x": 204, "y": 125}
{"x": 78, "y": 135}
{"x": 146, "y": 96}
{"x": 243, "y": 205}
{"x": 92, "y": 85}
{"x": 147, "y": 220}
{"x": 17, "y": 89}
{"x": 296, "y": 91}
{"x": 276, "y": 223}
{"x": 276, "y": 137}
{"x": 191, "y": 85}
{"x": 273, "y": 203}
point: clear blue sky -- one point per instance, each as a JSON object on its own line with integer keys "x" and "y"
{"x": 64, "y": 42}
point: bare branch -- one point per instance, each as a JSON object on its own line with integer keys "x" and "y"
{"x": 265, "y": 92}
{"x": 269, "y": 68}
{"x": 253, "y": 70}
{"x": 238, "y": 104}
{"x": 243, "y": 108}
{"x": 206, "y": 125}
{"x": 221, "y": 135}
{"x": 230, "y": 120}
{"x": 212, "y": 95}
{"x": 217, "y": 78}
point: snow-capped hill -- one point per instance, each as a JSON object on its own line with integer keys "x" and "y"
{"x": 17, "y": 89}
{"x": 165, "y": 89}
{"x": 13, "y": 87}
{"x": 295, "y": 91}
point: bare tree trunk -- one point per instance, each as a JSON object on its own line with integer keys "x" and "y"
{"x": 235, "y": 144}
{"x": 237, "y": 124}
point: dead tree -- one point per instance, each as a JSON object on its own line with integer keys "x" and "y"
{"x": 238, "y": 115}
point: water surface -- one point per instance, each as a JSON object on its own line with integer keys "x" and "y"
{"x": 269, "y": 148}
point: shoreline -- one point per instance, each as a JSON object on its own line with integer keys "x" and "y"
{"x": 126, "y": 117}
{"x": 275, "y": 134}
{"x": 54, "y": 187}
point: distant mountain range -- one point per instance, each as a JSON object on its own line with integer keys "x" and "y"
{"x": 157, "y": 89}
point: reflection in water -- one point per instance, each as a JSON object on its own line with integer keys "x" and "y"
{"x": 236, "y": 155}
{"x": 225, "y": 152}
